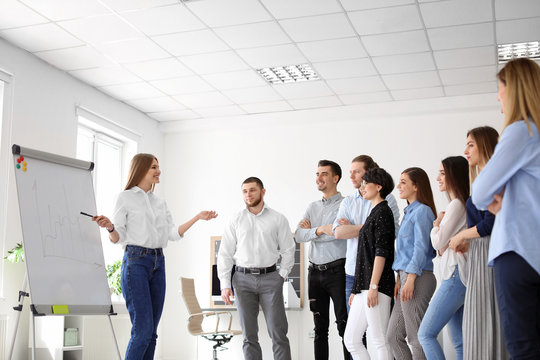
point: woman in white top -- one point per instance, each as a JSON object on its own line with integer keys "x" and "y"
{"x": 143, "y": 225}
{"x": 446, "y": 306}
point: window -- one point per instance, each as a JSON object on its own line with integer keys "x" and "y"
{"x": 6, "y": 165}
{"x": 111, "y": 153}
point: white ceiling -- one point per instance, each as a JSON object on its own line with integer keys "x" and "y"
{"x": 196, "y": 59}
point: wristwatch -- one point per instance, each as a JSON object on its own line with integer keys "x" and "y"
{"x": 373, "y": 287}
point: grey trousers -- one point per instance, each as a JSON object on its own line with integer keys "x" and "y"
{"x": 267, "y": 291}
{"x": 406, "y": 318}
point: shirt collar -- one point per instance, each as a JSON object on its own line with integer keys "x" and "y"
{"x": 137, "y": 189}
{"x": 357, "y": 193}
{"x": 260, "y": 212}
{"x": 411, "y": 206}
{"x": 331, "y": 199}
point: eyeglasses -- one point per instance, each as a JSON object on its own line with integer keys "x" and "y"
{"x": 364, "y": 183}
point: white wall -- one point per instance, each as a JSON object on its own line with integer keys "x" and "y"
{"x": 205, "y": 162}
{"x": 43, "y": 117}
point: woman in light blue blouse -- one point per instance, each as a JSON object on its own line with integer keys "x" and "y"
{"x": 509, "y": 185}
{"x": 415, "y": 282}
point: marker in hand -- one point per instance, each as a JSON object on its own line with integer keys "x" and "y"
{"x": 85, "y": 214}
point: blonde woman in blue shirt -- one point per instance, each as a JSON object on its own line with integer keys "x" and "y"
{"x": 509, "y": 186}
{"x": 415, "y": 282}
{"x": 143, "y": 225}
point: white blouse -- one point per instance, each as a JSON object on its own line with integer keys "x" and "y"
{"x": 454, "y": 220}
{"x": 143, "y": 219}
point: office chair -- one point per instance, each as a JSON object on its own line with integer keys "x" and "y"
{"x": 197, "y": 316}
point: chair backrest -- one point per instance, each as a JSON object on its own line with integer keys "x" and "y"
{"x": 192, "y": 304}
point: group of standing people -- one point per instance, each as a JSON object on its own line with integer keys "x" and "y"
{"x": 377, "y": 272}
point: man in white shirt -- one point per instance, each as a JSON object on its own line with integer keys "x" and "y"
{"x": 253, "y": 241}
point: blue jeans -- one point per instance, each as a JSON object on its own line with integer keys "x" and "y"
{"x": 517, "y": 285}
{"x": 446, "y": 307}
{"x": 143, "y": 286}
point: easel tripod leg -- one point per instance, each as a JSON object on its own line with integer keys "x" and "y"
{"x": 114, "y": 337}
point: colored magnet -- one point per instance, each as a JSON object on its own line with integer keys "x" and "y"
{"x": 24, "y": 163}
{"x": 18, "y": 166}
{"x": 23, "y": 169}
{"x": 19, "y": 160}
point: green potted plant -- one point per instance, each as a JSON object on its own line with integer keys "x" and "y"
{"x": 113, "y": 275}
{"x": 16, "y": 254}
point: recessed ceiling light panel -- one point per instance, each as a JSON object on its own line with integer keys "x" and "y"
{"x": 507, "y": 52}
{"x": 288, "y": 74}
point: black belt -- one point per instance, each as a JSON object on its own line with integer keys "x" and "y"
{"x": 256, "y": 271}
{"x": 158, "y": 251}
{"x": 324, "y": 267}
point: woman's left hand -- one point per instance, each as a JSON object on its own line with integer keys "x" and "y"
{"x": 496, "y": 205}
{"x": 372, "y": 298}
{"x": 207, "y": 215}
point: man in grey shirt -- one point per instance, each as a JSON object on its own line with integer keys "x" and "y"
{"x": 326, "y": 279}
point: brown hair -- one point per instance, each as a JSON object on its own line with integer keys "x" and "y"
{"x": 486, "y": 139}
{"x": 456, "y": 176}
{"x": 522, "y": 80}
{"x": 140, "y": 164}
{"x": 368, "y": 161}
{"x": 423, "y": 192}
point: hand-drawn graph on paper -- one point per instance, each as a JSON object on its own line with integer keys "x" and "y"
{"x": 62, "y": 235}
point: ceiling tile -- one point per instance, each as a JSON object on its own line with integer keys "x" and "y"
{"x": 404, "y": 63}
{"x": 123, "y": 5}
{"x": 214, "y": 62}
{"x": 385, "y": 20}
{"x": 102, "y": 76}
{"x": 216, "y": 13}
{"x": 351, "y": 5}
{"x": 365, "y": 98}
{"x": 458, "y": 58}
{"x": 164, "y": 103}
{"x": 338, "y": 49}
{"x": 253, "y": 35}
{"x": 190, "y": 43}
{"x": 272, "y": 56}
{"x": 164, "y": 20}
{"x": 412, "y": 80}
{"x": 159, "y": 69}
{"x": 304, "y": 89}
{"x": 174, "y": 115}
{"x": 67, "y": 9}
{"x": 135, "y": 50}
{"x": 266, "y": 107}
{"x": 202, "y": 100}
{"x": 456, "y": 12}
{"x": 468, "y": 75}
{"x": 221, "y": 111}
{"x": 357, "y": 85}
{"x": 515, "y": 9}
{"x": 461, "y": 36}
{"x": 424, "y": 93}
{"x": 253, "y": 95}
{"x": 396, "y": 43}
{"x": 82, "y": 57}
{"x": 320, "y": 27}
{"x": 234, "y": 80}
{"x": 40, "y": 37}
{"x": 100, "y": 29}
{"x": 138, "y": 90}
{"x": 14, "y": 14}
{"x": 345, "y": 69}
{"x": 480, "y": 88}
{"x": 317, "y": 102}
{"x": 282, "y": 9}
{"x": 516, "y": 31}
{"x": 183, "y": 85}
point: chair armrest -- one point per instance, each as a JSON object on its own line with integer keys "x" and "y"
{"x": 217, "y": 314}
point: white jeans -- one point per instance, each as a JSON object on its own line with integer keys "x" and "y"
{"x": 360, "y": 318}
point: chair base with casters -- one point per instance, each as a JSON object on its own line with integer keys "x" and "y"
{"x": 197, "y": 316}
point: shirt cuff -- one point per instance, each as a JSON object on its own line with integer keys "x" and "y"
{"x": 283, "y": 273}
{"x": 413, "y": 269}
{"x": 225, "y": 282}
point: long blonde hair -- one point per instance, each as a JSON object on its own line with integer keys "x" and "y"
{"x": 486, "y": 139}
{"x": 522, "y": 80}
{"x": 140, "y": 164}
